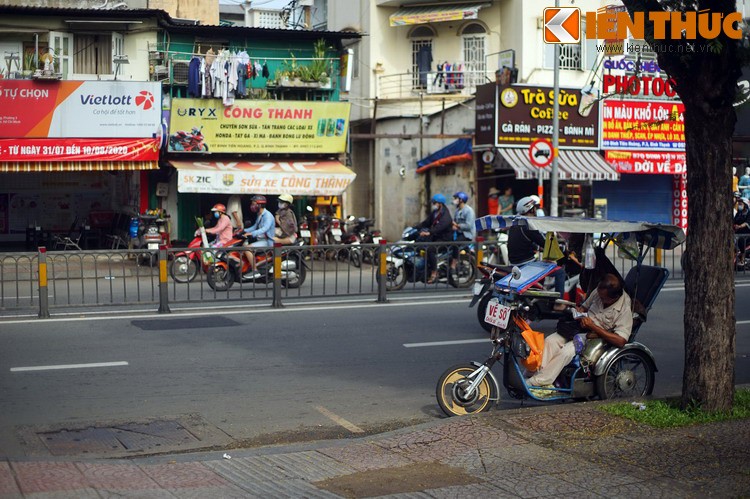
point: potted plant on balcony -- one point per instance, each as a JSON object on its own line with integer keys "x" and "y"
{"x": 28, "y": 64}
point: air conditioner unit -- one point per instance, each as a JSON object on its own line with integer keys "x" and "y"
{"x": 180, "y": 72}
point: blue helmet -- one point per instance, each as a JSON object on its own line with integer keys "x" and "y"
{"x": 462, "y": 196}
{"x": 438, "y": 198}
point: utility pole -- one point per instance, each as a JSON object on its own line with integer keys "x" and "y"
{"x": 553, "y": 187}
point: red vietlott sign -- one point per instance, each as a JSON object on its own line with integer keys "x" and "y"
{"x": 79, "y": 149}
{"x": 671, "y": 163}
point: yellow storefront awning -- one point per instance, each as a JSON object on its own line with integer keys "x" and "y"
{"x": 441, "y": 13}
{"x": 299, "y": 178}
{"x": 76, "y": 166}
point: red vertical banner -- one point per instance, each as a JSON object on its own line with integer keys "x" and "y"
{"x": 143, "y": 202}
{"x": 680, "y": 201}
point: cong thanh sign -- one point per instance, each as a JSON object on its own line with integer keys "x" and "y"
{"x": 303, "y": 178}
{"x": 207, "y": 126}
{"x": 643, "y": 125}
{"x": 76, "y": 109}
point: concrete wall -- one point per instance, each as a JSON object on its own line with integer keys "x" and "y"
{"x": 206, "y": 11}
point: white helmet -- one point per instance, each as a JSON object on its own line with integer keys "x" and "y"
{"x": 525, "y": 205}
{"x": 286, "y": 198}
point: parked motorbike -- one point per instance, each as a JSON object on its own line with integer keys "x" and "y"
{"x": 188, "y": 141}
{"x": 358, "y": 232}
{"x": 149, "y": 236}
{"x": 601, "y": 369}
{"x": 407, "y": 262}
{"x": 496, "y": 252}
{"x": 231, "y": 266}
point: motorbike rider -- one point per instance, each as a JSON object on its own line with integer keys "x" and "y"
{"x": 463, "y": 224}
{"x": 741, "y": 224}
{"x": 223, "y": 227}
{"x": 608, "y": 316}
{"x": 286, "y": 232}
{"x": 261, "y": 232}
{"x": 438, "y": 226}
{"x": 523, "y": 243}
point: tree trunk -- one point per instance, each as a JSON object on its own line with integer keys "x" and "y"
{"x": 709, "y": 321}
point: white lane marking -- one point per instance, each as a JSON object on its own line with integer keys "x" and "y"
{"x": 68, "y": 366}
{"x": 216, "y": 310}
{"x": 444, "y": 343}
{"x": 339, "y": 420}
{"x": 742, "y": 323}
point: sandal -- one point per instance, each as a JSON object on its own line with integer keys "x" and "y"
{"x": 432, "y": 279}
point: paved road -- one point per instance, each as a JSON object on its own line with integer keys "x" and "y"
{"x": 264, "y": 376}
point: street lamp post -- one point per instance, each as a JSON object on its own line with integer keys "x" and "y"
{"x": 553, "y": 184}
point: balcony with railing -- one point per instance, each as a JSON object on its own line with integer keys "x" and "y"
{"x": 437, "y": 85}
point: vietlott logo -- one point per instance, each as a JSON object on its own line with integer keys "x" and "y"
{"x": 563, "y": 25}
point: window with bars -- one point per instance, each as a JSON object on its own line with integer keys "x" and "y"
{"x": 574, "y": 56}
{"x": 421, "y": 50}
{"x": 475, "y": 64}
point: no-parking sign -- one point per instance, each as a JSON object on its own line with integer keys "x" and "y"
{"x": 541, "y": 153}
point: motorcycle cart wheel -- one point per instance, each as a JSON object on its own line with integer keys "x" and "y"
{"x": 482, "y": 310}
{"x": 297, "y": 277}
{"x": 464, "y": 273}
{"x": 355, "y": 257}
{"x": 395, "y": 277}
{"x": 452, "y": 396}
{"x": 631, "y": 374}
{"x": 220, "y": 278}
{"x": 183, "y": 269}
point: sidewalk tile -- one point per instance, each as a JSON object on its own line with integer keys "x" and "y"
{"x": 183, "y": 476}
{"x": 424, "y": 446}
{"x": 8, "y": 486}
{"x": 475, "y": 434}
{"x": 654, "y": 488}
{"x": 539, "y": 485}
{"x": 45, "y": 476}
{"x": 137, "y": 494}
{"x": 310, "y": 465}
{"x": 65, "y": 494}
{"x": 116, "y": 476}
{"x": 363, "y": 457}
{"x": 474, "y": 491}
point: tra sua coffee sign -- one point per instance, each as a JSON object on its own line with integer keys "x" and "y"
{"x": 525, "y": 113}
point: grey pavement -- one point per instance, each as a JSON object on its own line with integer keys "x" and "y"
{"x": 556, "y": 450}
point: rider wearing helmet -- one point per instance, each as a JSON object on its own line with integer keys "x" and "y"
{"x": 438, "y": 226}
{"x": 523, "y": 242}
{"x": 222, "y": 228}
{"x": 463, "y": 224}
{"x": 262, "y": 231}
{"x": 286, "y": 232}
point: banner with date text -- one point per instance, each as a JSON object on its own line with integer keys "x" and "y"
{"x": 79, "y": 149}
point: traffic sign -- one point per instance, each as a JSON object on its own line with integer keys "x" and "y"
{"x": 541, "y": 153}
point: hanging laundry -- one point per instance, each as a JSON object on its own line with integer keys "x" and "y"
{"x": 194, "y": 77}
{"x": 241, "y": 78}
{"x": 264, "y": 70}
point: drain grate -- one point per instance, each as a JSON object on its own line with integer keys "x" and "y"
{"x": 132, "y": 437}
{"x": 194, "y": 323}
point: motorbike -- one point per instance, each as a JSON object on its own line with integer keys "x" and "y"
{"x": 231, "y": 266}
{"x": 600, "y": 370}
{"x": 188, "y": 141}
{"x": 149, "y": 234}
{"x": 496, "y": 252}
{"x": 358, "y": 232}
{"x": 407, "y": 262}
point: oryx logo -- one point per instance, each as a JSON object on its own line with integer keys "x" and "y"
{"x": 227, "y": 179}
{"x": 562, "y": 25}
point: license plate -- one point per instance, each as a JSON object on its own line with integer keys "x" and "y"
{"x": 478, "y": 287}
{"x": 376, "y": 240}
{"x": 304, "y": 233}
{"x": 153, "y": 246}
{"x": 336, "y": 232}
{"x": 497, "y": 314}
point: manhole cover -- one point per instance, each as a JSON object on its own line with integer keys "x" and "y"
{"x": 131, "y": 437}
{"x": 193, "y": 323}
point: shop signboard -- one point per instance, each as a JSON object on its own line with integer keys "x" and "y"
{"x": 485, "y": 116}
{"x": 525, "y": 113}
{"x": 64, "y": 149}
{"x": 643, "y": 125}
{"x": 79, "y": 109}
{"x": 644, "y": 162}
{"x": 303, "y": 178}
{"x": 252, "y": 126}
